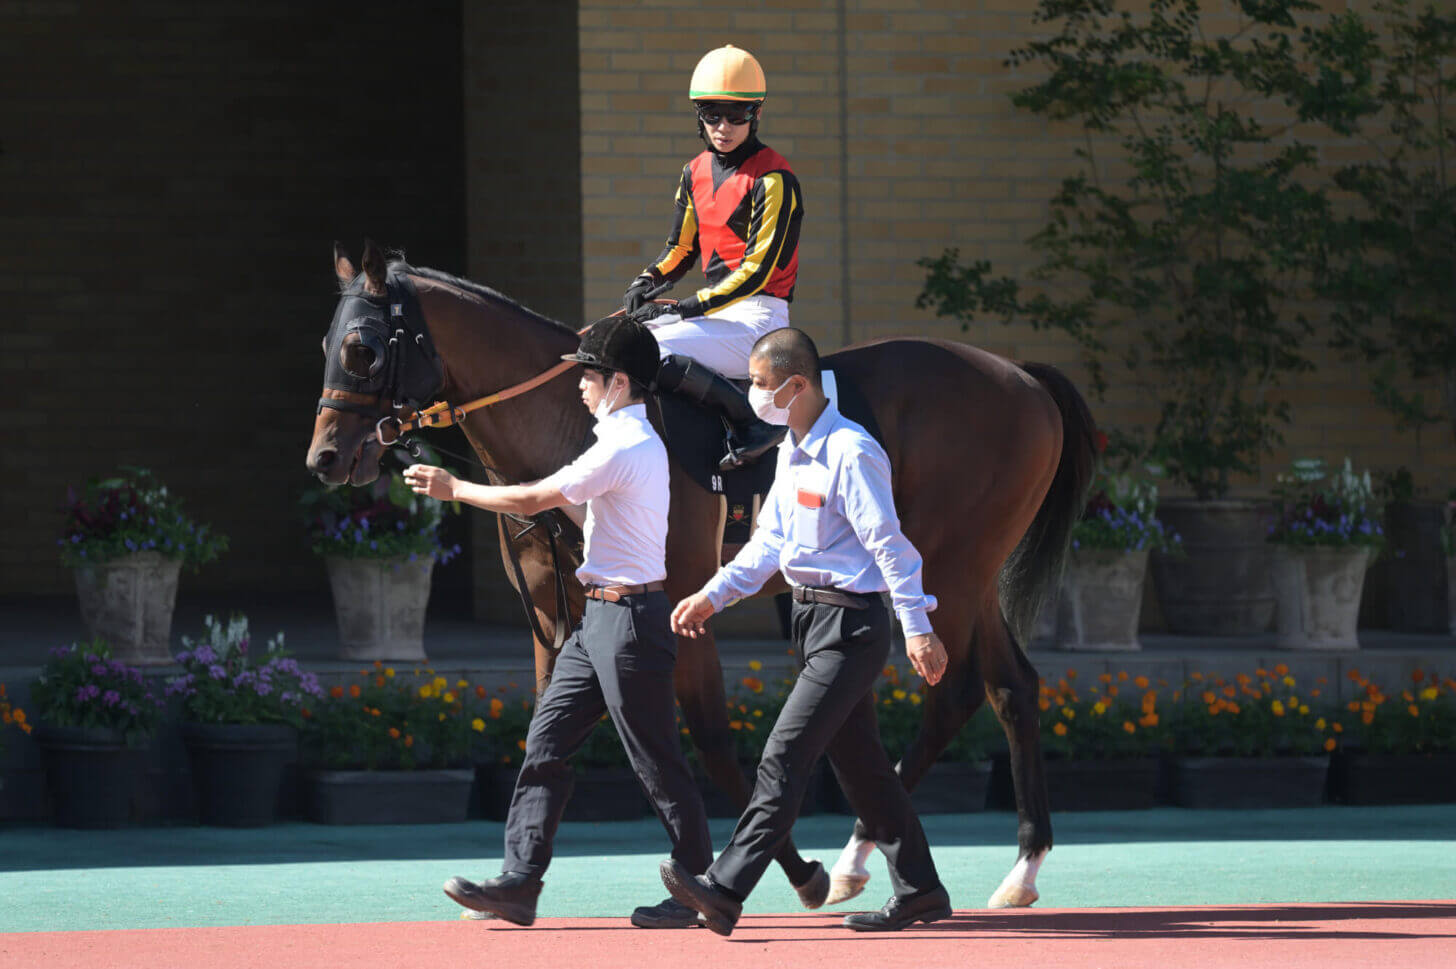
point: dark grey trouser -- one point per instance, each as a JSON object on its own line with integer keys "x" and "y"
{"x": 619, "y": 661}
{"x": 831, "y": 709}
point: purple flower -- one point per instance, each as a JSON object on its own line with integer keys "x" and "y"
{"x": 217, "y": 672}
{"x": 205, "y": 655}
{"x": 98, "y": 670}
{"x": 111, "y": 698}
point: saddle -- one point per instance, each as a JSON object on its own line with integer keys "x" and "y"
{"x": 694, "y": 435}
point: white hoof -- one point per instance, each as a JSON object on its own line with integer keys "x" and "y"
{"x": 844, "y": 887}
{"x": 1013, "y": 896}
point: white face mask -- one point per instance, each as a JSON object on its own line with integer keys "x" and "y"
{"x": 762, "y": 402}
{"x": 604, "y": 406}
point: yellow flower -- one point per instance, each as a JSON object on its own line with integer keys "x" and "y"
{"x": 449, "y": 698}
{"x": 1099, "y": 708}
{"x": 1430, "y": 693}
{"x": 755, "y": 665}
{"x": 898, "y": 694}
{"x": 1288, "y": 681}
{"x": 440, "y": 682}
{"x": 758, "y": 713}
{"x": 1060, "y": 729}
{"x": 1069, "y": 713}
{"x": 915, "y": 699}
{"x": 426, "y": 691}
{"x": 1303, "y": 710}
{"x": 1278, "y": 708}
{"x": 442, "y": 718}
{"x": 1320, "y": 724}
{"x": 478, "y": 725}
{"x": 389, "y": 672}
{"x": 461, "y": 684}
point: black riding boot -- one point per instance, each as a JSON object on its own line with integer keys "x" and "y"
{"x": 748, "y": 437}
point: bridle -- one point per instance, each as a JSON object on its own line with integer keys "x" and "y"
{"x": 390, "y": 358}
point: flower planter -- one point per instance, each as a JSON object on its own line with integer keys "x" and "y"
{"x": 606, "y": 794}
{"x": 380, "y": 606}
{"x": 1357, "y": 778}
{"x": 1221, "y": 586}
{"x": 1102, "y": 785}
{"x": 91, "y": 774}
{"x": 952, "y": 787}
{"x": 389, "y": 796}
{"x": 237, "y": 770}
{"x": 1318, "y": 592}
{"x": 1249, "y": 782}
{"x": 1101, "y": 600}
{"x": 128, "y": 602}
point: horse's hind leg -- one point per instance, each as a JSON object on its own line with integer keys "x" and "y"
{"x": 1013, "y": 687}
{"x": 948, "y": 705}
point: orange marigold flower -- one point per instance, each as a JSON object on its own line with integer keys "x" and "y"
{"x": 1148, "y": 720}
{"x": 1112, "y": 691}
{"x": 1337, "y": 727}
{"x": 379, "y": 680}
{"x": 1127, "y": 727}
{"x": 1209, "y": 696}
{"x": 1261, "y": 673}
{"x": 1233, "y": 707}
{"x": 753, "y": 683}
{"x": 1414, "y": 710}
{"x": 1059, "y": 728}
{"x": 1242, "y": 679}
{"x": 1329, "y": 743}
{"x": 1105, "y": 678}
{"x": 1122, "y": 676}
{"x": 1071, "y": 674}
{"x": 354, "y": 690}
{"x": 409, "y": 740}
{"x": 480, "y": 693}
{"x": 1044, "y": 704}
{"x": 393, "y": 733}
{"x": 1230, "y": 691}
{"x": 336, "y": 692}
{"x": 1141, "y": 682}
{"x": 1417, "y": 675}
{"x": 735, "y": 724}
{"x": 1195, "y": 677}
{"x": 1314, "y": 693}
{"x": 1407, "y": 697}
{"x": 1281, "y": 670}
{"x": 1367, "y": 718}
{"x": 1353, "y": 676}
{"x": 521, "y": 744}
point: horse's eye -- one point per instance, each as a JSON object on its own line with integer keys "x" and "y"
{"x": 359, "y": 360}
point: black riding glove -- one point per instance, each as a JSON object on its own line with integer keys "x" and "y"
{"x": 651, "y": 311}
{"x": 636, "y": 294}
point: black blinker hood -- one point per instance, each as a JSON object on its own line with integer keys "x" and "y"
{"x": 406, "y": 370}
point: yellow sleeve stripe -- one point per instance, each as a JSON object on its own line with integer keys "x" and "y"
{"x": 754, "y": 271}
{"x": 682, "y": 245}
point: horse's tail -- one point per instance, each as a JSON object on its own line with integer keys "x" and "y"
{"x": 1030, "y": 576}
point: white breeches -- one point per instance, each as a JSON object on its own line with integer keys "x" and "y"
{"x": 723, "y": 339}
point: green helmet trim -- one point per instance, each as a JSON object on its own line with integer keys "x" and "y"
{"x": 745, "y": 95}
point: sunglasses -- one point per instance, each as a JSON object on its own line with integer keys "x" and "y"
{"x": 734, "y": 114}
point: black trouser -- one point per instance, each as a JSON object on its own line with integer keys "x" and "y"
{"x": 831, "y": 709}
{"x": 619, "y": 661}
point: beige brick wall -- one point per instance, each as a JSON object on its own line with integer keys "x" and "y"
{"x": 937, "y": 157}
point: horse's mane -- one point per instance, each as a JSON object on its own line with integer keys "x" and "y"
{"x": 478, "y": 289}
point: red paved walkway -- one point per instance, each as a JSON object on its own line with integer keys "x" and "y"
{"x": 1369, "y": 935}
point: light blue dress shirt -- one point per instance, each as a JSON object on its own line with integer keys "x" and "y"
{"x": 829, "y": 521}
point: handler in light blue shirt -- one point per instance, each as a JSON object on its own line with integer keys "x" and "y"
{"x": 829, "y": 524}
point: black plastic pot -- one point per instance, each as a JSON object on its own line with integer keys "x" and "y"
{"x": 91, "y": 774}
{"x": 237, "y": 770}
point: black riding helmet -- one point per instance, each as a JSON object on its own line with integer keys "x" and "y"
{"x": 619, "y": 343}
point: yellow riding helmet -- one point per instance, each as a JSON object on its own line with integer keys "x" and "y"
{"x": 727, "y": 74}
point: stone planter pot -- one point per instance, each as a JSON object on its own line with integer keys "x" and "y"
{"x": 1221, "y": 586}
{"x": 1318, "y": 591}
{"x": 1416, "y": 599}
{"x": 237, "y": 770}
{"x": 380, "y": 606}
{"x": 1129, "y": 784}
{"x": 1357, "y": 778}
{"x": 128, "y": 602}
{"x": 953, "y": 787}
{"x": 389, "y": 796}
{"x": 1101, "y": 600}
{"x": 92, "y": 775}
{"x": 1249, "y": 782}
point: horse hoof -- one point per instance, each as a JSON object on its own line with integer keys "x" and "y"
{"x": 844, "y": 887}
{"x": 477, "y": 916}
{"x": 1013, "y": 896}
{"x": 815, "y": 890}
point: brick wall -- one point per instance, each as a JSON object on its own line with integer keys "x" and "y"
{"x": 936, "y": 157}
{"x": 171, "y": 177}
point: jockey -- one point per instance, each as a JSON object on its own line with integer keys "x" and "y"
{"x": 739, "y": 208}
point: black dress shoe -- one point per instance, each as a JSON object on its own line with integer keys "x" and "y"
{"x": 511, "y": 895}
{"x": 719, "y": 912}
{"x": 815, "y": 888}
{"x": 928, "y": 906}
{"x": 667, "y": 914}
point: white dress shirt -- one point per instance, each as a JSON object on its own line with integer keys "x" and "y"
{"x": 830, "y": 521}
{"x": 623, "y": 479}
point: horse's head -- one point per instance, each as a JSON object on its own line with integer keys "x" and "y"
{"x": 378, "y": 361}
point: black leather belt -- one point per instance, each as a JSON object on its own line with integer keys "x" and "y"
{"x": 831, "y": 597}
{"x": 612, "y": 593}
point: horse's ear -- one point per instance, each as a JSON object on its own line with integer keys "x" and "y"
{"x": 343, "y": 265}
{"x": 375, "y": 268}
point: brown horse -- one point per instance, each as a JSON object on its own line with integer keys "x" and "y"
{"x": 991, "y": 465}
